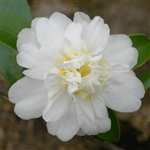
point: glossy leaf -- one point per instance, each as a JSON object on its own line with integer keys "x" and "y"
{"x": 9, "y": 68}
{"x": 142, "y": 43}
{"x": 10, "y": 26}
{"x": 15, "y": 15}
{"x": 17, "y": 8}
{"x": 145, "y": 79}
{"x": 114, "y": 133}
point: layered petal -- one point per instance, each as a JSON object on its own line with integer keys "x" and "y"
{"x": 99, "y": 106}
{"x": 45, "y": 32}
{"x": 88, "y": 127}
{"x": 88, "y": 121}
{"x": 31, "y": 107}
{"x": 80, "y": 17}
{"x": 50, "y": 32}
{"x": 48, "y": 56}
{"x": 28, "y": 35}
{"x": 30, "y": 98}
{"x": 66, "y": 127}
{"x": 85, "y": 107}
{"x": 103, "y": 124}
{"x": 73, "y": 34}
{"x": 59, "y": 21}
{"x": 28, "y": 55}
{"x": 23, "y": 88}
{"x": 38, "y": 72}
{"x": 119, "y": 50}
{"x": 58, "y": 99}
{"x": 96, "y": 35}
{"x": 46, "y": 59}
{"x": 125, "y": 96}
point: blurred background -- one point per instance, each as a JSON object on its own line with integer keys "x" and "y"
{"x": 123, "y": 17}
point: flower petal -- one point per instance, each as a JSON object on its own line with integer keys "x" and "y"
{"x": 122, "y": 102}
{"x": 80, "y": 17}
{"x": 119, "y": 51}
{"x": 96, "y": 35}
{"x": 48, "y": 56}
{"x": 86, "y": 118}
{"x": 31, "y": 107}
{"x": 123, "y": 97}
{"x": 53, "y": 79}
{"x": 27, "y": 55}
{"x": 89, "y": 123}
{"x": 86, "y": 107}
{"x": 59, "y": 21}
{"x": 24, "y": 88}
{"x": 103, "y": 124}
{"x": 46, "y": 59}
{"x": 38, "y": 72}
{"x": 73, "y": 33}
{"x": 59, "y": 101}
{"x": 92, "y": 128}
{"x": 50, "y": 32}
{"x": 70, "y": 122}
{"x": 30, "y": 98}
{"x": 128, "y": 83}
{"x": 28, "y": 35}
{"x": 66, "y": 127}
{"x": 44, "y": 32}
{"x": 99, "y": 106}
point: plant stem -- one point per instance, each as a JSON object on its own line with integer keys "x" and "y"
{"x": 105, "y": 145}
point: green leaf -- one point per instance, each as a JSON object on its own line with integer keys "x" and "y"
{"x": 17, "y": 8}
{"x": 15, "y": 15}
{"x": 145, "y": 79}
{"x": 114, "y": 133}
{"x": 9, "y": 68}
{"x": 142, "y": 43}
{"x": 10, "y": 26}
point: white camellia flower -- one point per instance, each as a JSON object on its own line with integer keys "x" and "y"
{"x": 75, "y": 70}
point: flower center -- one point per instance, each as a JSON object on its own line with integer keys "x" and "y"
{"x": 81, "y": 74}
{"x": 84, "y": 70}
